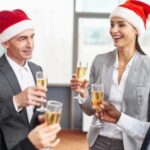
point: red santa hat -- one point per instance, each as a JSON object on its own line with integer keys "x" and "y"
{"x": 13, "y": 23}
{"x": 135, "y": 12}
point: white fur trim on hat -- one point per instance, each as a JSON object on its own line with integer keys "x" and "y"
{"x": 131, "y": 17}
{"x": 15, "y": 29}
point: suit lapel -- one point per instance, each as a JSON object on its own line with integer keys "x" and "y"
{"x": 10, "y": 75}
{"x": 132, "y": 78}
{"x": 12, "y": 79}
{"x": 34, "y": 69}
{"x": 107, "y": 71}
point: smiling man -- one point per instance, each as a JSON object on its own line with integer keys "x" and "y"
{"x": 18, "y": 93}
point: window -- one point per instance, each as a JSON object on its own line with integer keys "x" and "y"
{"x": 96, "y": 5}
{"x": 93, "y": 38}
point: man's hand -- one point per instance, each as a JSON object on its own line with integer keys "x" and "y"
{"x": 35, "y": 95}
{"x": 44, "y": 136}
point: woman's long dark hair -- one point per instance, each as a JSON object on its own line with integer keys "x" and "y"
{"x": 138, "y": 47}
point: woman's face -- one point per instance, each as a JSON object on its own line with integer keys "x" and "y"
{"x": 122, "y": 33}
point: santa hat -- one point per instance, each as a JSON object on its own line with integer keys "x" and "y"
{"x": 135, "y": 12}
{"x": 13, "y": 23}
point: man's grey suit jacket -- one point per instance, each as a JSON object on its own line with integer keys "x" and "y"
{"x": 14, "y": 125}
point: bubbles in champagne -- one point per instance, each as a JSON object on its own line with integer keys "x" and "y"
{"x": 52, "y": 117}
{"x": 81, "y": 71}
{"x": 97, "y": 97}
{"x": 42, "y": 82}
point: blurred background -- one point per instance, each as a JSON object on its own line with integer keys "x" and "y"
{"x": 66, "y": 31}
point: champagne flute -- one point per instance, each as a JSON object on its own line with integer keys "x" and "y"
{"x": 53, "y": 114}
{"x": 97, "y": 94}
{"x": 81, "y": 71}
{"x": 41, "y": 80}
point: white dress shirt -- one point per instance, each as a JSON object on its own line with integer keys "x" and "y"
{"x": 25, "y": 79}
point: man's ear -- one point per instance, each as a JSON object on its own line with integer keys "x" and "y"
{"x": 6, "y": 44}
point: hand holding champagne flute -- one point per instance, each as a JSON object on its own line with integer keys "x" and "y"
{"x": 41, "y": 80}
{"x": 97, "y": 94}
{"x": 81, "y": 71}
{"x": 53, "y": 113}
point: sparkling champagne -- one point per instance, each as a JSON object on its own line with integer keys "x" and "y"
{"x": 81, "y": 71}
{"x": 42, "y": 82}
{"x": 97, "y": 98}
{"x": 52, "y": 117}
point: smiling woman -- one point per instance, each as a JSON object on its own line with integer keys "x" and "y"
{"x": 116, "y": 70}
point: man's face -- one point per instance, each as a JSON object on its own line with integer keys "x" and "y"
{"x": 20, "y": 47}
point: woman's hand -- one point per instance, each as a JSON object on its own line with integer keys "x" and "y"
{"x": 108, "y": 112}
{"x": 78, "y": 86}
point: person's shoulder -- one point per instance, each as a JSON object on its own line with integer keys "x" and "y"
{"x": 146, "y": 62}
{"x": 33, "y": 64}
{"x": 146, "y": 59}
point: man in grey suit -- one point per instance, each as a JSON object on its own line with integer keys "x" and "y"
{"x": 18, "y": 93}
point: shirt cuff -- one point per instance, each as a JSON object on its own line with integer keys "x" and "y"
{"x": 80, "y": 99}
{"x": 15, "y": 105}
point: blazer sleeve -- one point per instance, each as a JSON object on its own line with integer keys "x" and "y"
{"x": 25, "y": 144}
{"x": 133, "y": 127}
